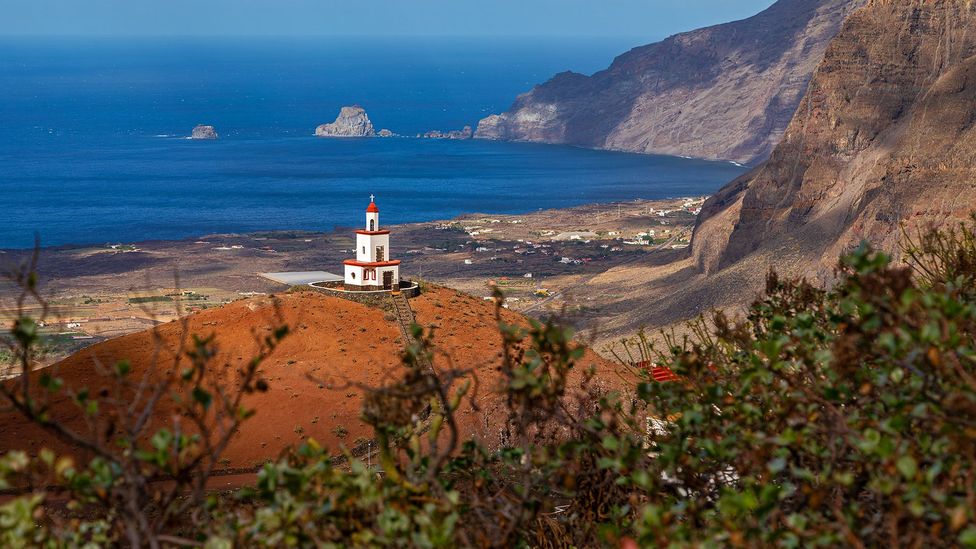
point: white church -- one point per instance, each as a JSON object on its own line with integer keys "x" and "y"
{"x": 373, "y": 269}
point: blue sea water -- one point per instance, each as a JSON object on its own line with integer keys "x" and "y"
{"x": 93, "y": 147}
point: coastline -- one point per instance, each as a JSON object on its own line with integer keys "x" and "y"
{"x": 539, "y": 258}
{"x": 191, "y": 188}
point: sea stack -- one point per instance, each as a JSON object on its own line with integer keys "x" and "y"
{"x": 203, "y": 132}
{"x": 352, "y": 122}
{"x": 466, "y": 133}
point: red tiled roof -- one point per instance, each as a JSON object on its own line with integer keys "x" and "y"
{"x": 372, "y": 208}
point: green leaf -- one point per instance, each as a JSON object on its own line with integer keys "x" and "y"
{"x": 218, "y": 543}
{"x": 870, "y": 441}
{"x": 897, "y": 375}
{"x": 245, "y": 413}
{"x": 122, "y": 368}
{"x": 161, "y": 440}
{"x": 16, "y": 460}
{"x": 968, "y": 537}
{"x": 25, "y": 330}
{"x": 50, "y": 382}
{"x": 907, "y": 467}
{"x": 203, "y": 397}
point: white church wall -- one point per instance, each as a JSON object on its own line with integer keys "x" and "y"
{"x": 366, "y": 246}
{"x": 354, "y": 276}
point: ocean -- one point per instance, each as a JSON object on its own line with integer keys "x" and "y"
{"x": 93, "y": 144}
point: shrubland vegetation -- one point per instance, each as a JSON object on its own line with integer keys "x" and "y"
{"x": 841, "y": 417}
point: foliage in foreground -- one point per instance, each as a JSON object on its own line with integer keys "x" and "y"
{"x": 823, "y": 418}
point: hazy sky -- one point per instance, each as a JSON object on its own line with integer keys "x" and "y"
{"x": 636, "y": 18}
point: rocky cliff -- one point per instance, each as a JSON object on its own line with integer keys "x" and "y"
{"x": 886, "y": 135}
{"x": 352, "y": 122}
{"x": 466, "y": 133}
{"x": 203, "y": 132}
{"x": 724, "y": 92}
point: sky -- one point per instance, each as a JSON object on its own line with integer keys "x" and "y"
{"x": 651, "y": 19}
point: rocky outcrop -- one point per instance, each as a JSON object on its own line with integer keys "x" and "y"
{"x": 724, "y": 92}
{"x": 203, "y": 132}
{"x": 385, "y": 133}
{"x": 885, "y": 137}
{"x": 466, "y": 133}
{"x": 352, "y": 122}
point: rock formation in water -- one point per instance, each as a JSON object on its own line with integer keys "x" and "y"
{"x": 885, "y": 136}
{"x": 385, "y": 133}
{"x": 723, "y": 92}
{"x": 466, "y": 133}
{"x": 352, "y": 122}
{"x": 203, "y": 132}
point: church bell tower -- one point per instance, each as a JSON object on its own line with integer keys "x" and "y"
{"x": 372, "y": 270}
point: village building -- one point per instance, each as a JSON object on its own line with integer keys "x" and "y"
{"x": 373, "y": 268}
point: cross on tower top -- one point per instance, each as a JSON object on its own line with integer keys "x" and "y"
{"x": 372, "y": 209}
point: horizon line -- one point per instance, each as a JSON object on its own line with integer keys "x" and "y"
{"x": 320, "y": 36}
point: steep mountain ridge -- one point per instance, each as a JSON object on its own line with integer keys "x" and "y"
{"x": 885, "y": 136}
{"x": 723, "y": 92}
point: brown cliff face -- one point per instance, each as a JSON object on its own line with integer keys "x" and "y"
{"x": 725, "y": 92}
{"x": 886, "y": 135}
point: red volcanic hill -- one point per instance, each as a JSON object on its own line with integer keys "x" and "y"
{"x": 335, "y": 346}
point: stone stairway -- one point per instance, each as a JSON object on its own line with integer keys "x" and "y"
{"x": 406, "y": 319}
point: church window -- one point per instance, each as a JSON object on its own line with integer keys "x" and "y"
{"x": 372, "y": 224}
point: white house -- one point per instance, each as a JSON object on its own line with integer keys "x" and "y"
{"x": 372, "y": 269}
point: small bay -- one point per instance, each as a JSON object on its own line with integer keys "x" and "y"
{"x": 93, "y": 144}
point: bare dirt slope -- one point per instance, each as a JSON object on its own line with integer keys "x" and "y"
{"x": 338, "y": 343}
{"x": 723, "y": 92}
{"x": 885, "y": 136}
